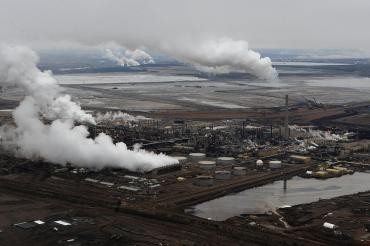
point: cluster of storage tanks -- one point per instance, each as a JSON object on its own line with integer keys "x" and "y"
{"x": 210, "y": 165}
{"x": 271, "y": 164}
{"x": 208, "y": 180}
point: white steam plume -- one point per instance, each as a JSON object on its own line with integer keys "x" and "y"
{"x": 61, "y": 141}
{"x": 318, "y": 134}
{"x": 126, "y": 57}
{"x": 18, "y": 67}
{"x": 119, "y": 116}
{"x": 223, "y": 56}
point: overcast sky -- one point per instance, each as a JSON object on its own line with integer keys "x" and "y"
{"x": 263, "y": 23}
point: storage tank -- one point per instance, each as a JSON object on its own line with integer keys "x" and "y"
{"x": 197, "y": 156}
{"x": 239, "y": 171}
{"x": 225, "y": 160}
{"x": 275, "y": 164}
{"x": 207, "y": 165}
{"x": 222, "y": 174}
{"x": 204, "y": 181}
{"x": 259, "y": 163}
{"x": 181, "y": 159}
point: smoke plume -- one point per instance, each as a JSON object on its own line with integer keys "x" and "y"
{"x": 211, "y": 56}
{"x": 109, "y": 116}
{"x": 18, "y": 67}
{"x": 128, "y": 57}
{"x": 318, "y": 134}
{"x": 223, "y": 56}
{"x": 61, "y": 141}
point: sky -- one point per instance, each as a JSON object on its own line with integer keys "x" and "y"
{"x": 263, "y": 23}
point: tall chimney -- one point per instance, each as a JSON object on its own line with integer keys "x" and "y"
{"x": 286, "y": 120}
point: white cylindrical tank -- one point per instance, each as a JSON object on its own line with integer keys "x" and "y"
{"x": 222, "y": 174}
{"x": 181, "y": 159}
{"x": 239, "y": 171}
{"x": 207, "y": 165}
{"x": 275, "y": 164}
{"x": 259, "y": 163}
{"x": 204, "y": 181}
{"x": 225, "y": 160}
{"x": 197, "y": 156}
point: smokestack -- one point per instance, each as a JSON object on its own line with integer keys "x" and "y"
{"x": 286, "y": 119}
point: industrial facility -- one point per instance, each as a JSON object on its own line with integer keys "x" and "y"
{"x": 214, "y": 158}
{"x": 184, "y": 123}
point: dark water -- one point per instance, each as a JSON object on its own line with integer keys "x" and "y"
{"x": 271, "y": 196}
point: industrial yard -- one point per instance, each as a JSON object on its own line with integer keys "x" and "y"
{"x": 71, "y": 205}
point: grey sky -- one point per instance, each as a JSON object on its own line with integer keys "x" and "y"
{"x": 263, "y": 23}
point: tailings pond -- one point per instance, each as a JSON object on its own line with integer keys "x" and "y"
{"x": 272, "y": 196}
